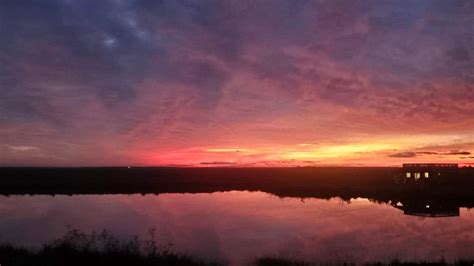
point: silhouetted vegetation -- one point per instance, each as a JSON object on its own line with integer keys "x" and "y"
{"x": 79, "y": 248}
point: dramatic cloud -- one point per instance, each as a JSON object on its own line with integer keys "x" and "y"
{"x": 456, "y": 152}
{"x": 404, "y": 155}
{"x": 166, "y": 82}
{"x": 217, "y": 163}
{"x": 411, "y": 154}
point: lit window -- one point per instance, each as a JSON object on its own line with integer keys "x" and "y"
{"x": 417, "y": 176}
{"x": 408, "y": 175}
{"x": 427, "y": 174}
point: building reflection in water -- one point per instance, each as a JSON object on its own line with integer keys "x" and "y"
{"x": 427, "y": 208}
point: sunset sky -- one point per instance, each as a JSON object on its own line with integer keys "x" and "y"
{"x": 236, "y": 83}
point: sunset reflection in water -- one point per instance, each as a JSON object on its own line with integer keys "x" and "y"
{"x": 238, "y": 226}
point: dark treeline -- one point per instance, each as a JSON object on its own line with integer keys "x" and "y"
{"x": 162, "y": 179}
{"x": 304, "y": 182}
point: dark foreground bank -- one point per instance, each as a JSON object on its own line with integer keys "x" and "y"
{"x": 78, "y": 248}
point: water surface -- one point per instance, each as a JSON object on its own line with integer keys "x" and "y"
{"x": 238, "y": 226}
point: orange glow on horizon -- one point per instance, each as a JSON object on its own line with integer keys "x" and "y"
{"x": 388, "y": 151}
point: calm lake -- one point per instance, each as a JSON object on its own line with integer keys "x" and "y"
{"x": 238, "y": 226}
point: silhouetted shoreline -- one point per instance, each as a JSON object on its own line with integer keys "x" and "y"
{"x": 318, "y": 182}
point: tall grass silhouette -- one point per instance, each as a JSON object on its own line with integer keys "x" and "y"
{"x": 103, "y": 248}
{"x": 79, "y": 248}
